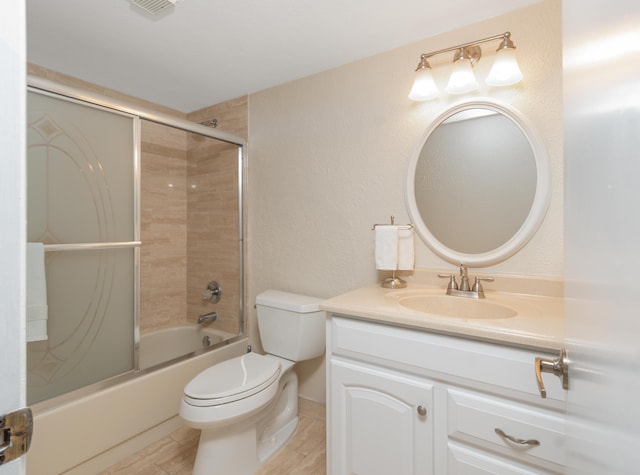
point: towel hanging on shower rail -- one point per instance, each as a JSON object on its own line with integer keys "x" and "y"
{"x": 37, "y": 309}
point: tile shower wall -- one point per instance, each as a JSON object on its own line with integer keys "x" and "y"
{"x": 212, "y": 216}
{"x": 163, "y": 203}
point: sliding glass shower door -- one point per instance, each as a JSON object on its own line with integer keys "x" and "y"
{"x": 83, "y": 234}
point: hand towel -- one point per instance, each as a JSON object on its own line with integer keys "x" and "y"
{"x": 37, "y": 310}
{"x": 405, "y": 249}
{"x": 386, "y": 247}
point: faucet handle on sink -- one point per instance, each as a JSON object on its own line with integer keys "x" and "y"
{"x": 477, "y": 286}
{"x": 453, "y": 285}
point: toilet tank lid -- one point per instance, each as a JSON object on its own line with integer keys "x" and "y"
{"x": 288, "y": 301}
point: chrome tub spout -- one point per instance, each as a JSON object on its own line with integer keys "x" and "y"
{"x": 207, "y": 317}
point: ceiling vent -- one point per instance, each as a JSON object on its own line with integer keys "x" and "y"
{"x": 154, "y": 6}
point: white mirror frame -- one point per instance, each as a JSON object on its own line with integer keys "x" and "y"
{"x": 538, "y": 209}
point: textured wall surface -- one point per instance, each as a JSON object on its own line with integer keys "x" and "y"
{"x": 328, "y": 157}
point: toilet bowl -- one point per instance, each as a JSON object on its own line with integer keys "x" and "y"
{"x": 247, "y": 407}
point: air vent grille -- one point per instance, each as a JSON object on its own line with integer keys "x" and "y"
{"x": 154, "y": 6}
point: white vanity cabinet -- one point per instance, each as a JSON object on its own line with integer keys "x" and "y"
{"x": 403, "y": 401}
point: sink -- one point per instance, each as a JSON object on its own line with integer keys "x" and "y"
{"x": 459, "y": 307}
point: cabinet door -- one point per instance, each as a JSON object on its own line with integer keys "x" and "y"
{"x": 381, "y": 422}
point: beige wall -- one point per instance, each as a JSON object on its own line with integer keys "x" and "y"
{"x": 328, "y": 156}
{"x": 163, "y": 226}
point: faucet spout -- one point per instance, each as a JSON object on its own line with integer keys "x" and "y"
{"x": 464, "y": 279}
{"x": 207, "y": 317}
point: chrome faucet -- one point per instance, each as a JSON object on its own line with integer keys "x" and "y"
{"x": 464, "y": 290}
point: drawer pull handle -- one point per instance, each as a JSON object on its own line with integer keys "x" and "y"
{"x": 422, "y": 411}
{"x": 532, "y": 442}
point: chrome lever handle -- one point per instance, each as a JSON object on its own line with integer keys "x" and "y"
{"x": 559, "y": 367}
{"x": 531, "y": 442}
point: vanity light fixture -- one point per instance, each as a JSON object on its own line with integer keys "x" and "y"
{"x": 505, "y": 70}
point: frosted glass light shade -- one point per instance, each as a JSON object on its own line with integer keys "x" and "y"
{"x": 505, "y": 70}
{"x": 462, "y": 79}
{"x": 424, "y": 87}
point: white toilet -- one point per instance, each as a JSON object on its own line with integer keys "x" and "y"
{"x": 247, "y": 407}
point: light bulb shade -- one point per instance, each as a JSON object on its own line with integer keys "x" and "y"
{"x": 462, "y": 79}
{"x": 505, "y": 70}
{"x": 424, "y": 87}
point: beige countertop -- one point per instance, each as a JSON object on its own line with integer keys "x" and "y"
{"x": 538, "y": 322}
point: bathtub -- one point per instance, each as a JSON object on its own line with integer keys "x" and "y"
{"x": 98, "y": 426}
{"x": 165, "y": 345}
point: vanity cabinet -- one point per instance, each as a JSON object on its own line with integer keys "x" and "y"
{"x": 406, "y": 401}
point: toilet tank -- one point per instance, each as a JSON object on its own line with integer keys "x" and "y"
{"x": 291, "y": 326}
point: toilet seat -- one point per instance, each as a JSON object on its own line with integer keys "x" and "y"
{"x": 232, "y": 380}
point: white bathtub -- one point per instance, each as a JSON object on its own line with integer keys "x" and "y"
{"x": 168, "y": 344}
{"x": 93, "y": 431}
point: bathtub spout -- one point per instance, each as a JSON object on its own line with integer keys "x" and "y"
{"x": 208, "y": 317}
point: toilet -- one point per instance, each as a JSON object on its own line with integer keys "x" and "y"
{"x": 247, "y": 407}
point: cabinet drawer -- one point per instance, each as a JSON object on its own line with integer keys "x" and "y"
{"x": 474, "y": 417}
{"x": 467, "y": 461}
{"x": 429, "y": 353}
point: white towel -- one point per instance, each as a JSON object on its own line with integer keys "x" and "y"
{"x": 405, "y": 249}
{"x": 37, "y": 310}
{"x": 386, "y": 247}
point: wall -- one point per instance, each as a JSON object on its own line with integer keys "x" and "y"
{"x": 163, "y": 227}
{"x": 328, "y": 157}
{"x": 212, "y": 237}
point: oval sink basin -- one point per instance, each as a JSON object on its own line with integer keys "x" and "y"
{"x": 458, "y": 307}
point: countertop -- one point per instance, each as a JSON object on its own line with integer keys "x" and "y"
{"x": 538, "y": 324}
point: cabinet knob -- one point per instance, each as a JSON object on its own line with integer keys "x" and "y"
{"x": 422, "y": 411}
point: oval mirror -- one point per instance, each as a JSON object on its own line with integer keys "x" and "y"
{"x": 478, "y": 183}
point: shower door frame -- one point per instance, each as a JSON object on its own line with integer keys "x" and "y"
{"x": 40, "y": 85}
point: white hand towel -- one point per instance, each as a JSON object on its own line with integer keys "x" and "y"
{"x": 37, "y": 310}
{"x": 386, "y": 247}
{"x": 405, "y": 249}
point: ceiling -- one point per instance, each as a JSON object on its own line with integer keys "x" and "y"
{"x": 202, "y": 52}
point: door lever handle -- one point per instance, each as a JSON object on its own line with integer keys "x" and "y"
{"x": 559, "y": 367}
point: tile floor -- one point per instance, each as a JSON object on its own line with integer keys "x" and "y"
{"x": 304, "y": 454}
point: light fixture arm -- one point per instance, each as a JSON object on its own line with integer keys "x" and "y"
{"x": 504, "y": 72}
{"x": 506, "y": 37}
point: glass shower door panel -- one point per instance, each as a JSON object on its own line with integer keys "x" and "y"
{"x": 80, "y": 168}
{"x": 81, "y": 195}
{"x": 90, "y": 331}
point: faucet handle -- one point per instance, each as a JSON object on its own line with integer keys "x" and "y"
{"x": 453, "y": 285}
{"x": 477, "y": 286}
{"x": 213, "y": 292}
